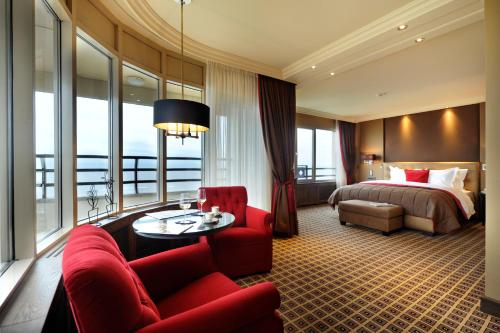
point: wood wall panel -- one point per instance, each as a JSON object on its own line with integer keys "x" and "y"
{"x": 449, "y": 135}
{"x": 140, "y": 52}
{"x": 91, "y": 19}
{"x": 193, "y": 72}
{"x": 313, "y": 122}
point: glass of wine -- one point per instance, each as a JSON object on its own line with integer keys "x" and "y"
{"x": 202, "y": 197}
{"x": 184, "y": 204}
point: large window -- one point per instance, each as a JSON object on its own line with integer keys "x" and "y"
{"x": 184, "y": 159}
{"x": 5, "y": 230}
{"x": 315, "y": 155}
{"x": 93, "y": 103}
{"x": 140, "y": 138}
{"x": 47, "y": 93}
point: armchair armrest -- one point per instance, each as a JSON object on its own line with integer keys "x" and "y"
{"x": 258, "y": 219}
{"x": 225, "y": 314}
{"x": 168, "y": 271}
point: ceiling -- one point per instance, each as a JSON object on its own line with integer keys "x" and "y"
{"x": 356, "y": 39}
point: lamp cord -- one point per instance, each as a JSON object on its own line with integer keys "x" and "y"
{"x": 182, "y": 48}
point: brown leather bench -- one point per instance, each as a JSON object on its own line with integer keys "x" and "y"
{"x": 384, "y": 218}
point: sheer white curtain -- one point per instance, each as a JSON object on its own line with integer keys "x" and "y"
{"x": 234, "y": 146}
{"x": 341, "y": 177}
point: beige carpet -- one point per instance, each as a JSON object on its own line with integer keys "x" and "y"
{"x": 335, "y": 278}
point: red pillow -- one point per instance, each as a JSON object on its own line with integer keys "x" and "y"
{"x": 419, "y": 176}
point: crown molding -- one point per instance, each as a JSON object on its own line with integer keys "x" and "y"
{"x": 322, "y": 114}
{"x": 171, "y": 37}
{"x": 351, "y": 50}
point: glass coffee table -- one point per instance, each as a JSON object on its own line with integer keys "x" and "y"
{"x": 151, "y": 227}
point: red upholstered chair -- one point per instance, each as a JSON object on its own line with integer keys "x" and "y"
{"x": 174, "y": 291}
{"x": 246, "y": 247}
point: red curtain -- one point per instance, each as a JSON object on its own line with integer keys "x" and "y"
{"x": 277, "y": 115}
{"x": 347, "y": 133}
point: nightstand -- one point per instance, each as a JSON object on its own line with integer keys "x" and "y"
{"x": 482, "y": 207}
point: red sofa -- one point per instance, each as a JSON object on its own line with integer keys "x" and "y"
{"x": 174, "y": 291}
{"x": 246, "y": 247}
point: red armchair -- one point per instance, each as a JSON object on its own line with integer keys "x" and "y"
{"x": 174, "y": 291}
{"x": 246, "y": 247}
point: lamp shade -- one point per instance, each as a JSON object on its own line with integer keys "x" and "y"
{"x": 182, "y": 116}
{"x": 368, "y": 157}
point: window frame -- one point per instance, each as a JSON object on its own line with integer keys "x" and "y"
{"x": 202, "y": 140}
{"x": 159, "y": 155}
{"x": 58, "y": 166}
{"x": 313, "y": 178}
{"x": 113, "y": 141}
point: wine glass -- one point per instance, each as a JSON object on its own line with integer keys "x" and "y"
{"x": 202, "y": 197}
{"x": 184, "y": 204}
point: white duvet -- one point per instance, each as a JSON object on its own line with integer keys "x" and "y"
{"x": 460, "y": 195}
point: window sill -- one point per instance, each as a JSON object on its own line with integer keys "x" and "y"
{"x": 44, "y": 245}
{"x": 12, "y": 277}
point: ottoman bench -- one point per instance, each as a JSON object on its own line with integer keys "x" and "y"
{"x": 384, "y": 217}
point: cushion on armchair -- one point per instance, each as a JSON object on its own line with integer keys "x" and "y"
{"x": 246, "y": 247}
{"x": 109, "y": 294}
{"x": 230, "y": 199}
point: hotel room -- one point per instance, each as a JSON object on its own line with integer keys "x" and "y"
{"x": 194, "y": 166}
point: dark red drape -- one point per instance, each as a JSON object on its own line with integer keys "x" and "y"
{"x": 277, "y": 115}
{"x": 347, "y": 133}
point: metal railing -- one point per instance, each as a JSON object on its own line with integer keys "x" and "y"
{"x": 303, "y": 173}
{"x": 136, "y": 170}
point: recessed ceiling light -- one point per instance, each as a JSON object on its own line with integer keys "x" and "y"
{"x": 332, "y": 73}
{"x": 313, "y": 66}
{"x": 138, "y": 100}
{"x": 419, "y": 40}
{"x": 402, "y": 27}
{"x": 131, "y": 94}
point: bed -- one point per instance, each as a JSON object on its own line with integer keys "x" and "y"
{"x": 428, "y": 208}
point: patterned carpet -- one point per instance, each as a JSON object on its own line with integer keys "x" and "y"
{"x": 335, "y": 278}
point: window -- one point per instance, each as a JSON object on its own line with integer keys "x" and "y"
{"x": 5, "y": 230}
{"x": 47, "y": 92}
{"x": 315, "y": 155}
{"x": 140, "y": 138}
{"x": 184, "y": 160}
{"x": 325, "y": 163}
{"x": 304, "y": 153}
{"x": 93, "y": 103}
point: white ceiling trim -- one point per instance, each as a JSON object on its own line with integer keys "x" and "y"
{"x": 326, "y": 115}
{"x": 358, "y": 39}
{"x": 378, "y": 52}
{"x": 149, "y": 18}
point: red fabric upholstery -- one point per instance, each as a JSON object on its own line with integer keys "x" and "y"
{"x": 247, "y": 247}
{"x": 231, "y": 199}
{"x": 419, "y": 176}
{"x": 108, "y": 294}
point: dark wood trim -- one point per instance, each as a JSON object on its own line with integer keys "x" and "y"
{"x": 490, "y": 306}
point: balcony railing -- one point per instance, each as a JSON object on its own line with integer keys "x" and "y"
{"x": 43, "y": 170}
{"x": 304, "y": 172}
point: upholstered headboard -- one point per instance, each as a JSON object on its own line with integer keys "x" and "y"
{"x": 472, "y": 180}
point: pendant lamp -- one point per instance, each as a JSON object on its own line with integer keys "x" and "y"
{"x": 179, "y": 117}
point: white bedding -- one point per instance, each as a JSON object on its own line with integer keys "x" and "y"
{"x": 460, "y": 195}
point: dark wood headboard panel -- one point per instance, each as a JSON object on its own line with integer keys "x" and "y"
{"x": 449, "y": 135}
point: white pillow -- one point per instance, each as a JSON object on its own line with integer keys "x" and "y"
{"x": 458, "y": 182}
{"x": 397, "y": 174}
{"x": 443, "y": 177}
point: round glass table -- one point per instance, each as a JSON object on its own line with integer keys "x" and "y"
{"x": 151, "y": 227}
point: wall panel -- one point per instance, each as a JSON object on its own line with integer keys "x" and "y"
{"x": 449, "y": 135}
{"x": 94, "y": 22}
{"x": 140, "y": 52}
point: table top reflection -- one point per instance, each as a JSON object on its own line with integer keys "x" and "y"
{"x": 151, "y": 227}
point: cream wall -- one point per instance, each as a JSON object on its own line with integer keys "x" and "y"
{"x": 492, "y": 24}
